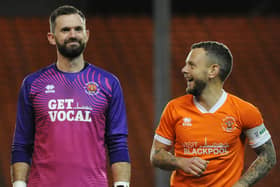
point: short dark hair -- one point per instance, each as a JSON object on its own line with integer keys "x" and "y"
{"x": 220, "y": 54}
{"x": 63, "y": 10}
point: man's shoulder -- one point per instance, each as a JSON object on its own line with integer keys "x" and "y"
{"x": 103, "y": 72}
{"x": 184, "y": 99}
{"x": 241, "y": 103}
{"x": 237, "y": 99}
{"x": 29, "y": 78}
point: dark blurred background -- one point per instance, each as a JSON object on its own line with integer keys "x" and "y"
{"x": 143, "y": 7}
{"x": 122, "y": 41}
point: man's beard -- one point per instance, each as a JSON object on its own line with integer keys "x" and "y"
{"x": 72, "y": 51}
{"x": 199, "y": 86}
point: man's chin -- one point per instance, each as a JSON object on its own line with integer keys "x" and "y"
{"x": 192, "y": 92}
{"x": 71, "y": 50}
{"x": 188, "y": 91}
{"x": 71, "y": 53}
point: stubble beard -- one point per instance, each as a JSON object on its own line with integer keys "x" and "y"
{"x": 199, "y": 86}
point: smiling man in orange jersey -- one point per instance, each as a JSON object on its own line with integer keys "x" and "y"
{"x": 208, "y": 127}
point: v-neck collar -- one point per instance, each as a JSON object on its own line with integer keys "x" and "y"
{"x": 214, "y": 108}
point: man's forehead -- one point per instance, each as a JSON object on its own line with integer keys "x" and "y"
{"x": 196, "y": 53}
{"x": 70, "y": 20}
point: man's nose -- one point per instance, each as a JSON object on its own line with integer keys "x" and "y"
{"x": 72, "y": 33}
{"x": 184, "y": 69}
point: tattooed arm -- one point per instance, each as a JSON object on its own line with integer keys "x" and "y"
{"x": 161, "y": 157}
{"x": 260, "y": 167}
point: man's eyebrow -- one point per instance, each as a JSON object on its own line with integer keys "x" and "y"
{"x": 78, "y": 27}
{"x": 189, "y": 62}
{"x": 75, "y": 27}
{"x": 65, "y": 28}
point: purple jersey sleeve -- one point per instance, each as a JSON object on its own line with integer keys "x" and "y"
{"x": 22, "y": 146}
{"x": 116, "y": 126}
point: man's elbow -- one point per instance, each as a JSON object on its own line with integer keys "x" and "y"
{"x": 270, "y": 159}
{"x": 153, "y": 159}
{"x": 273, "y": 161}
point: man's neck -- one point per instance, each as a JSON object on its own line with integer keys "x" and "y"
{"x": 210, "y": 97}
{"x": 70, "y": 65}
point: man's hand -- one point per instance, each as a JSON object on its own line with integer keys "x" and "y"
{"x": 162, "y": 158}
{"x": 195, "y": 165}
{"x": 240, "y": 184}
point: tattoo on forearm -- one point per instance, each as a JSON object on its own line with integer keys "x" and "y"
{"x": 164, "y": 159}
{"x": 260, "y": 167}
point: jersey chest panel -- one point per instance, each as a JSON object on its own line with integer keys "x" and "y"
{"x": 208, "y": 134}
{"x": 68, "y": 101}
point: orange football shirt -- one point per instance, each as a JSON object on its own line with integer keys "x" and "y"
{"x": 216, "y": 135}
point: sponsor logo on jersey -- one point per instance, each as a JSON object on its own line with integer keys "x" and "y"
{"x": 50, "y": 88}
{"x": 66, "y": 110}
{"x": 229, "y": 124}
{"x": 260, "y": 132}
{"x": 92, "y": 88}
{"x": 187, "y": 122}
{"x": 195, "y": 148}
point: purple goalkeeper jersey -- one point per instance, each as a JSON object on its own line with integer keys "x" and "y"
{"x": 64, "y": 122}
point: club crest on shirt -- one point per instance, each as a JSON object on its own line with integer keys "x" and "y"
{"x": 92, "y": 88}
{"x": 228, "y": 124}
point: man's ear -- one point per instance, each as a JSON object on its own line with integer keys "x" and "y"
{"x": 87, "y": 33}
{"x": 214, "y": 70}
{"x": 51, "y": 38}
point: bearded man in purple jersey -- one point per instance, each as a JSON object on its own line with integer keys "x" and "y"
{"x": 67, "y": 114}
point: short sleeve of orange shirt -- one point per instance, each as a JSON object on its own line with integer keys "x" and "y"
{"x": 166, "y": 129}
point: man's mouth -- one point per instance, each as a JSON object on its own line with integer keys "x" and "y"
{"x": 189, "y": 79}
{"x": 72, "y": 42}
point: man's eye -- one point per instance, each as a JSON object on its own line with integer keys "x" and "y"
{"x": 79, "y": 29}
{"x": 65, "y": 30}
{"x": 191, "y": 65}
